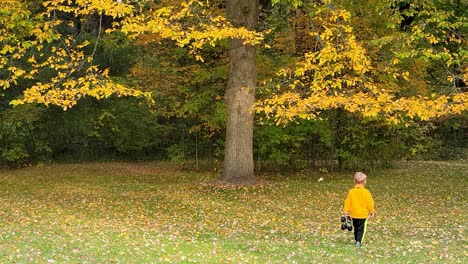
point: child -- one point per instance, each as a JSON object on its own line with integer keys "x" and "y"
{"x": 359, "y": 205}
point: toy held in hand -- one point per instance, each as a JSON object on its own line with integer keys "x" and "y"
{"x": 346, "y": 223}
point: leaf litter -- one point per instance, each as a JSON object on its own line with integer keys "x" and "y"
{"x": 153, "y": 213}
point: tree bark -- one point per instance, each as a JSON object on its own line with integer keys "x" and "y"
{"x": 238, "y": 167}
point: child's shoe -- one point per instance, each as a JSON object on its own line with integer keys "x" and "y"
{"x": 358, "y": 244}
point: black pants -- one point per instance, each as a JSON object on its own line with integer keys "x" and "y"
{"x": 360, "y": 228}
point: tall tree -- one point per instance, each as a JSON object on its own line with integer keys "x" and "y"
{"x": 240, "y": 96}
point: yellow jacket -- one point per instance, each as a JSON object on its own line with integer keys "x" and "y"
{"x": 359, "y": 203}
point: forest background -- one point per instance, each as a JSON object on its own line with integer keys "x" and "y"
{"x": 416, "y": 48}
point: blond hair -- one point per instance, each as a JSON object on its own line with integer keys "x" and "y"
{"x": 360, "y": 177}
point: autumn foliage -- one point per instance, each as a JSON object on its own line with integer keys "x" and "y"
{"x": 339, "y": 73}
{"x": 71, "y": 73}
{"x": 320, "y": 64}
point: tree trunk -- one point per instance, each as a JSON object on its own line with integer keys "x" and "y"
{"x": 301, "y": 32}
{"x": 238, "y": 167}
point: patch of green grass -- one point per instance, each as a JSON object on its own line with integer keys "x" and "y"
{"x": 153, "y": 213}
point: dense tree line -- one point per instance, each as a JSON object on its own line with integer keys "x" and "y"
{"x": 187, "y": 121}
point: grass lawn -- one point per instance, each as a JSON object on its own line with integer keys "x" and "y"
{"x": 153, "y": 213}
